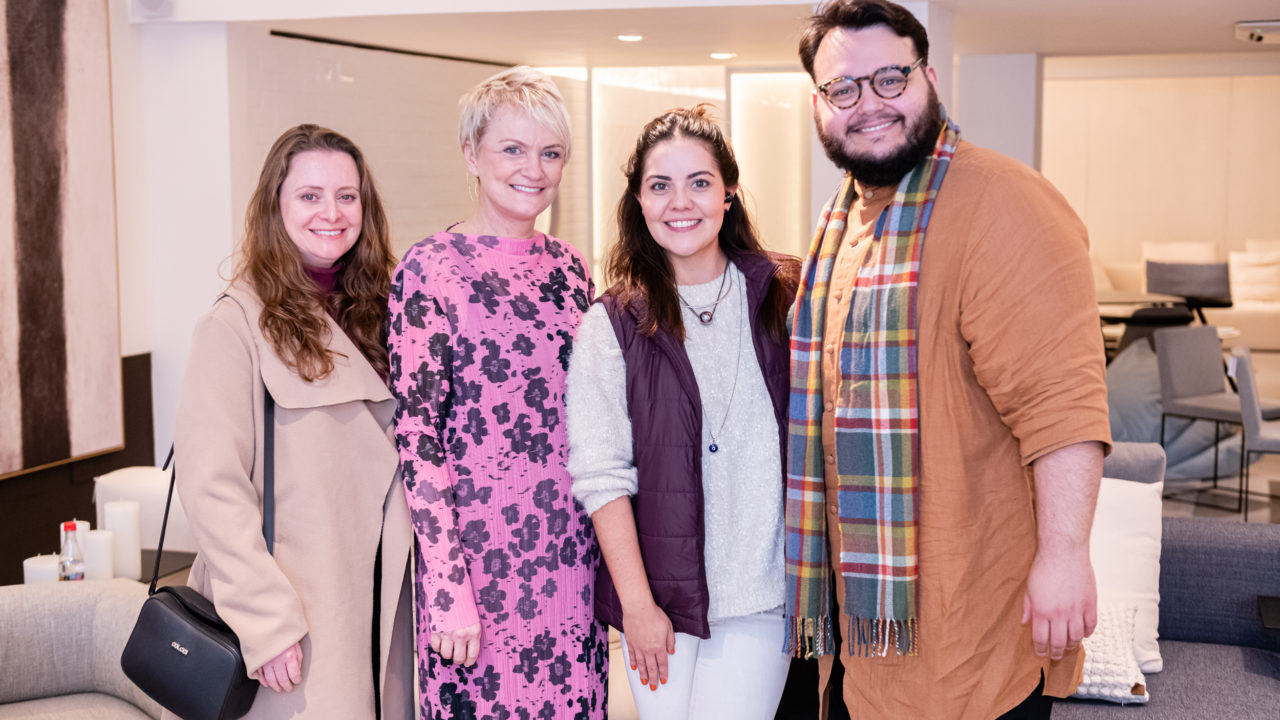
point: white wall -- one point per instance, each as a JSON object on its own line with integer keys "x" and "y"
{"x": 773, "y": 137}
{"x": 1165, "y": 157}
{"x": 622, "y": 101}
{"x": 173, "y": 180}
{"x": 402, "y": 111}
{"x": 998, "y": 100}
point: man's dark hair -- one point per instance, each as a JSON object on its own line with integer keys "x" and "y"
{"x": 856, "y": 15}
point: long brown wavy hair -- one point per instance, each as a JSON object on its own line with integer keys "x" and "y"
{"x": 638, "y": 264}
{"x": 293, "y": 311}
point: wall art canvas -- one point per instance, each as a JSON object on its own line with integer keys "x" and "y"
{"x": 60, "y": 385}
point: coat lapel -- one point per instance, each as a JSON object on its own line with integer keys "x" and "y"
{"x": 352, "y": 379}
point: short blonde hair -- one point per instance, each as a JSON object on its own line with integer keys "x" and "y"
{"x": 521, "y": 88}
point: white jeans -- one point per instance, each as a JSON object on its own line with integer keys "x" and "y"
{"x": 738, "y": 673}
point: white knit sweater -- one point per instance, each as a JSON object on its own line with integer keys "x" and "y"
{"x": 742, "y": 482}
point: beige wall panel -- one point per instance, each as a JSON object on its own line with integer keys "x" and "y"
{"x": 1157, "y": 162}
{"x": 10, "y": 398}
{"x": 772, "y": 125}
{"x": 623, "y": 100}
{"x": 1064, "y": 159}
{"x": 1253, "y": 154}
{"x": 401, "y": 110}
{"x": 574, "y": 200}
{"x": 95, "y": 406}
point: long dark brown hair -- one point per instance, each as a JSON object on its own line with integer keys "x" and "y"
{"x": 639, "y": 265}
{"x": 293, "y": 312}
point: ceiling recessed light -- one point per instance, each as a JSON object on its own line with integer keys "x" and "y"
{"x": 723, "y": 56}
{"x": 630, "y": 38}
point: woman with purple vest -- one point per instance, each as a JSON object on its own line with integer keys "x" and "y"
{"x": 676, "y": 407}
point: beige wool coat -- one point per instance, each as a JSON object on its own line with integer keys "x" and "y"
{"x": 337, "y": 493}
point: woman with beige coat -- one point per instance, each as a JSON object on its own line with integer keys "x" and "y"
{"x": 304, "y": 319}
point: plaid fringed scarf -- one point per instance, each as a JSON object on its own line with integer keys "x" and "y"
{"x": 876, "y": 428}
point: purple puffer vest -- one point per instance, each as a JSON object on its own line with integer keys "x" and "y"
{"x": 666, "y": 434}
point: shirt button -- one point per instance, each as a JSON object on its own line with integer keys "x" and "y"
{"x": 839, "y": 295}
{"x": 831, "y": 459}
{"x": 833, "y": 508}
{"x": 870, "y": 194}
{"x": 830, "y": 406}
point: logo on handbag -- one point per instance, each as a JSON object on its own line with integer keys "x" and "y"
{"x": 178, "y": 647}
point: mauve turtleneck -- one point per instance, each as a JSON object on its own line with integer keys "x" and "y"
{"x": 327, "y": 279}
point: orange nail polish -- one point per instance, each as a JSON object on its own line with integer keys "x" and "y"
{"x": 663, "y": 681}
{"x": 633, "y": 667}
{"x": 653, "y": 688}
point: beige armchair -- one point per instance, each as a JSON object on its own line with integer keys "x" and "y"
{"x": 60, "y": 646}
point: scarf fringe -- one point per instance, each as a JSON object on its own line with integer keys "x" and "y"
{"x": 809, "y": 638}
{"x": 874, "y": 636}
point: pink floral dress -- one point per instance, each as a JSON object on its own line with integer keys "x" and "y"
{"x": 481, "y": 332}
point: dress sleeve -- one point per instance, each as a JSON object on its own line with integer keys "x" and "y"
{"x": 1030, "y": 317}
{"x": 423, "y": 329}
{"x": 215, "y": 436}
{"x": 600, "y": 460}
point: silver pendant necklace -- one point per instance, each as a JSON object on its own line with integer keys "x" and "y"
{"x": 715, "y": 446}
{"x": 706, "y": 316}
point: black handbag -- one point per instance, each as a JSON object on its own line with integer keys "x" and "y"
{"x": 181, "y": 654}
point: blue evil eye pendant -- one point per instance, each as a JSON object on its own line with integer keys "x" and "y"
{"x": 714, "y": 447}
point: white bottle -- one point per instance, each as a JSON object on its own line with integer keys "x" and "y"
{"x": 71, "y": 561}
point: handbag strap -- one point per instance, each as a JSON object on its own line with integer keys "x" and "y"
{"x": 268, "y": 486}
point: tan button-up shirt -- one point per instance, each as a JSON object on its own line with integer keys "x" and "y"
{"x": 1011, "y": 368}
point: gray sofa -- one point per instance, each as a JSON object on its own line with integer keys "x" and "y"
{"x": 1219, "y": 662}
{"x": 60, "y": 646}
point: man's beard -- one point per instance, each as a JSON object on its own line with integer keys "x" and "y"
{"x": 922, "y": 136}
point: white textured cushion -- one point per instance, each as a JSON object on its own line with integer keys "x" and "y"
{"x": 1110, "y": 671}
{"x": 149, "y": 486}
{"x": 1180, "y": 252}
{"x": 1262, "y": 246}
{"x": 1125, "y": 549}
{"x": 1255, "y": 276}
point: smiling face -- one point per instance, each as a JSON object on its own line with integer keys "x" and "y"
{"x": 877, "y": 140}
{"x": 682, "y": 196}
{"x": 518, "y": 165}
{"x": 320, "y": 205}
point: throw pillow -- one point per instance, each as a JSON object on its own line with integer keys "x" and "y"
{"x": 1125, "y": 549}
{"x": 1110, "y": 671}
{"x": 1255, "y": 276}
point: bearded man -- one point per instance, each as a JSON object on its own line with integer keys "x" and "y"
{"x": 948, "y": 403}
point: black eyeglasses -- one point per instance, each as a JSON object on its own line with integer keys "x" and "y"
{"x": 888, "y": 82}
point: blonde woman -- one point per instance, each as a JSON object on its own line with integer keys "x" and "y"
{"x": 483, "y": 317}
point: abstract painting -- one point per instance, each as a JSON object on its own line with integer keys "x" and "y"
{"x": 60, "y": 386}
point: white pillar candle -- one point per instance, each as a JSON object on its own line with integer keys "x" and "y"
{"x": 99, "y": 563}
{"x": 82, "y": 529}
{"x": 121, "y": 518}
{"x": 41, "y": 568}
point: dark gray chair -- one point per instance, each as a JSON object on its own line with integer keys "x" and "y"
{"x": 1260, "y": 436}
{"x": 1202, "y": 285}
{"x": 1193, "y": 385}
